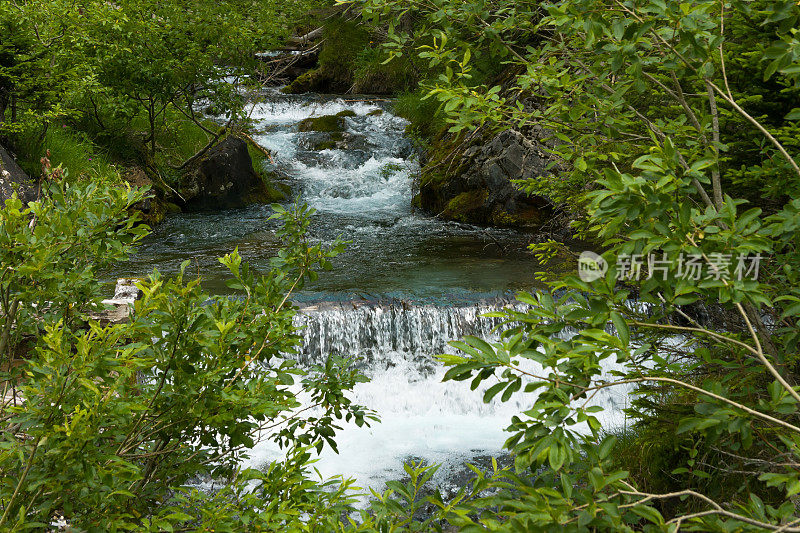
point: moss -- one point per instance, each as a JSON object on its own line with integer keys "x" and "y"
{"x": 272, "y": 191}
{"x": 375, "y": 113}
{"x": 306, "y": 82}
{"x": 426, "y": 121}
{"x": 326, "y": 123}
{"x": 459, "y": 207}
{"x": 324, "y": 145}
{"x": 275, "y": 195}
{"x": 344, "y": 41}
{"x": 416, "y": 201}
{"x": 151, "y": 211}
{"x": 351, "y": 60}
{"x": 346, "y": 113}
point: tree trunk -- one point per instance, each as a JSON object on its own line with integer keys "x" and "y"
{"x": 151, "y": 111}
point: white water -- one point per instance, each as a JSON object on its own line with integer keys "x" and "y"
{"x": 421, "y": 417}
{"x": 364, "y": 192}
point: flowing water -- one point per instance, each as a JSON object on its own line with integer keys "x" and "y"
{"x": 422, "y": 418}
{"x": 406, "y": 285}
{"x": 363, "y": 194}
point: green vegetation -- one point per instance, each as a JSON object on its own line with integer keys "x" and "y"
{"x": 423, "y": 114}
{"x": 465, "y": 202}
{"x": 276, "y": 191}
{"x": 102, "y": 421}
{"x": 69, "y": 149}
{"x": 351, "y": 60}
{"x": 126, "y": 78}
{"x": 675, "y": 127}
{"x": 325, "y": 123}
{"x": 668, "y": 120}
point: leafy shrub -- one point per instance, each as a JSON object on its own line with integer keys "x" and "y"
{"x": 104, "y": 425}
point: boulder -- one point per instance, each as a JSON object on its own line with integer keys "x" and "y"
{"x": 479, "y": 190}
{"x": 224, "y": 178}
{"x": 325, "y": 123}
{"x": 13, "y": 178}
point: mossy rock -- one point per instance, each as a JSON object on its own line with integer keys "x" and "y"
{"x": 346, "y": 113}
{"x": 375, "y": 113}
{"x": 324, "y": 145}
{"x": 152, "y": 210}
{"x": 329, "y": 141}
{"x": 459, "y": 208}
{"x": 530, "y": 217}
{"x": 274, "y": 190}
{"x": 326, "y": 123}
{"x": 306, "y": 82}
{"x": 275, "y": 194}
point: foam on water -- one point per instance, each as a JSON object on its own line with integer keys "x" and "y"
{"x": 421, "y": 416}
{"x": 376, "y": 185}
{"x": 362, "y": 191}
{"x": 291, "y": 111}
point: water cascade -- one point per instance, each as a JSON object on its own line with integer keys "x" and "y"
{"x": 422, "y": 418}
{"x": 417, "y": 283}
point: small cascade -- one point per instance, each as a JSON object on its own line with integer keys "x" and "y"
{"x": 372, "y": 331}
{"x": 422, "y": 416}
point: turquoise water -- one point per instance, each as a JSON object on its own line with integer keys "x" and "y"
{"x": 362, "y": 194}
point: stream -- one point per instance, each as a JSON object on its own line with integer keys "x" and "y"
{"x": 406, "y": 285}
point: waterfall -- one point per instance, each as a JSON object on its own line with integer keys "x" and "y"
{"x": 422, "y": 417}
{"x": 373, "y": 330}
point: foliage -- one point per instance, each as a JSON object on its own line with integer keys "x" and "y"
{"x": 69, "y": 149}
{"x": 105, "y": 424}
{"x": 652, "y": 109}
{"x": 127, "y": 72}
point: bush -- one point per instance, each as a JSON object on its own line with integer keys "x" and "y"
{"x": 106, "y": 424}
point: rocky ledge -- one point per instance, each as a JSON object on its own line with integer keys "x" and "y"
{"x": 13, "y": 179}
{"x": 476, "y": 186}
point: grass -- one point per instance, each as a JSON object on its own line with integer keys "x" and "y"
{"x": 70, "y": 149}
{"x": 88, "y": 152}
{"x": 423, "y": 114}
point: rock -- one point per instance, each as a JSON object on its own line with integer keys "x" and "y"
{"x": 13, "y": 178}
{"x": 350, "y": 142}
{"x": 127, "y": 291}
{"x": 325, "y": 123}
{"x": 118, "y": 309}
{"x": 480, "y": 189}
{"x": 224, "y": 178}
{"x": 154, "y": 208}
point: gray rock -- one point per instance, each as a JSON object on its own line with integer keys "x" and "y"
{"x": 224, "y": 178}
{"x": 480, "y": 189}
{"x": 13, "y": 178}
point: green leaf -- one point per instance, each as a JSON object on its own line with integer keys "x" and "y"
{"x": 794, "y": 114}
{"x": 621, "y": 325}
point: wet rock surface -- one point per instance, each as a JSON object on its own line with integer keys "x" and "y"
{"x": 224, "y": 178}
{"x": 13, "y": 179}
{"x": 477, "y": 188}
